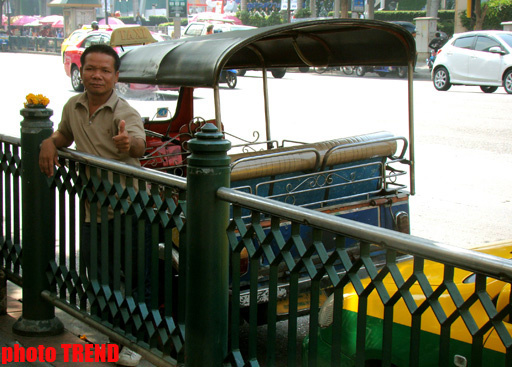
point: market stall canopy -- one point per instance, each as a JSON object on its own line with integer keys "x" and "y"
{"x": 35, "y": 23}
{"x": 198, "y": 61}
{"x": 58, "y": 24}
{"x": 51, "y": 19}
{"x": 20, "y": 20}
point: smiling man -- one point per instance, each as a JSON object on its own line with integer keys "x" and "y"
{"x": 100, "y": 123}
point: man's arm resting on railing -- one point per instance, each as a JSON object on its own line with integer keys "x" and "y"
{"x": 48, "y": 156}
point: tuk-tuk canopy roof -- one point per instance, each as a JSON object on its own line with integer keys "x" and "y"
{"x": 198, "y": 61}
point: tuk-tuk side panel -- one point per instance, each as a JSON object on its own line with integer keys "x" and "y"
{"x": 341, "y": 184}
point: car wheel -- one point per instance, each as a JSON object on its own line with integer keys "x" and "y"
{"x": 231, "y": 79}
{"x": 304, "y": 69}
{"x": 442, "y": 79}
{"x": 349, "y": 70}
{"x": 241, "y": 72}
{"x": 507, "y": 82}
{"x": 76, "y": 80}
{"x": 487, "y": 89}
{"x": 402, "y": 71}
{"x": 381, "y": 74}
{"x": 360, "y": 71}
{"x": 278, "y": 73}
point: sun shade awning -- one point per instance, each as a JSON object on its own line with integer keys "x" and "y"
{"x": 198, "y": 61}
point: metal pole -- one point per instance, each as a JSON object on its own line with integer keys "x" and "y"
{"x": 106, "y": 12}
{"x": 207, "y": 263}
{"x": 38, "y": 236}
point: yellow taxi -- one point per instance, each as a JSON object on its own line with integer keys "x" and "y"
{"x": 450, "y": 302}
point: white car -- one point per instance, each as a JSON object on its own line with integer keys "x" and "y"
{"x": 195, "y": 29}
{"x": 481, "y": 58}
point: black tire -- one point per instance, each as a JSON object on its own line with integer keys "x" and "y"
{"x": 304, "y": 69}
{"x": 320, "y": 69}
{"x": 487, "y": 89}
{"x": 349, "y": 70}
{"x": 381, "y": 74}
{"x": 507, "y": 82}
{"x": 360, "y": 71}
{"x": 278, "y": 73}
{"x": 241, "y": 72}
{"x": 402, "y": 72}
{"x": 231, "y": 79}
{"x": 76, "y": 80}
{"x": 441, "y": 79}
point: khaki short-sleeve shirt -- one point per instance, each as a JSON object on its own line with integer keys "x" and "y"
{"x": 94, "y": 134}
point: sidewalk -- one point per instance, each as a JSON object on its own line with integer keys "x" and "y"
{"x": 75, "y": 332}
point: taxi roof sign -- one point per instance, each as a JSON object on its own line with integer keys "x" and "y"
{"x": 131, "y": 36}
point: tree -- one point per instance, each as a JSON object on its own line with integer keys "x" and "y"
{"x": 432, "y": 8}
{"x": 2, "y": 2}
{"x": 480, "y": 12}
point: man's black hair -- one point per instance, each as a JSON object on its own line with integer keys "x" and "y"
{"x": 102, "y": 49}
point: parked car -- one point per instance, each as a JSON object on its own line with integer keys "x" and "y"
{"x": 460, "y": 337}
{"x": 480, "y": 58}
{"x": 72, "y": 39}
{"x": 382, "y": 71}
{"x": 195, "y": 29}
{"x": 407, "y": 25}
{"x": 138, "y": 36}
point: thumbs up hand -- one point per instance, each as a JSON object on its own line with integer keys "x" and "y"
{"x": 122, "y": 139}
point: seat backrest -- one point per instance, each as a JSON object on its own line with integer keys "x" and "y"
{"x": 311, "y": 157}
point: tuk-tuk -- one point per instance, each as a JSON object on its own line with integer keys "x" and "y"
{"x": 367, "y": 177}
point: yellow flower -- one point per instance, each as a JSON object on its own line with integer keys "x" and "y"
{"x": 36, "y": 100}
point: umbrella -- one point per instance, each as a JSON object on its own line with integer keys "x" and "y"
{"x": 22, "y": 20}
{"x": 50, "y": 19}
{"x": 112, "y": 21}
{"x": 58, "y": 24}
{"x": 35, "y": 23}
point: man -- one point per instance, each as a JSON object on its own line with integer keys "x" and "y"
{"x": 100, "y": 123}
{"x": 95, "y": 26}
{"x": 438, "y": 41}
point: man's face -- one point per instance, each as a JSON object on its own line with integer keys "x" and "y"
{"x": 98, "y": 74}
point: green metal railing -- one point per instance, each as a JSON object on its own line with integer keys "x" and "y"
{"x": 36, "y": 44}
{"x": 200, "y": 238}
{"x": 10, "y": 208}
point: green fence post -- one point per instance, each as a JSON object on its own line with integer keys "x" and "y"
{"x": 38, "y": 229}
{"x": 207, "y": 280}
